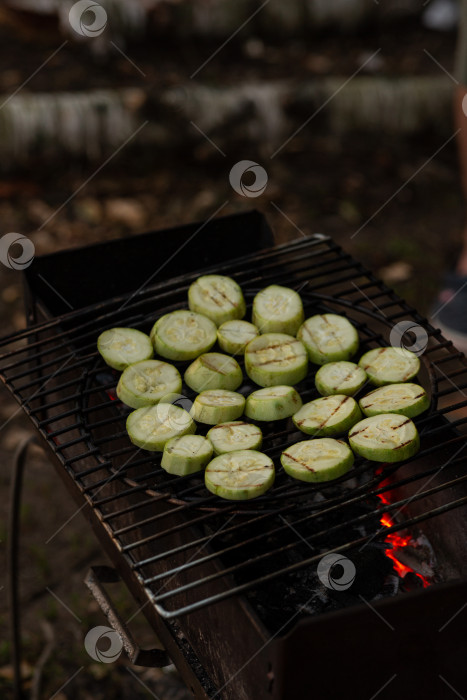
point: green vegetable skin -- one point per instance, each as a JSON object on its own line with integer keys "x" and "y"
{"x": 146, "y": 383}
{"x": 390, "y": 365}
{"x": 276, "y": 358}
{"x": 328, "y": 338}
{"x": 218, "y": 297}
{"x": 121, "y": 347}
{"x": 405, "y": 399}
{"x": 213, "y": 370}
{"x": 340, "y": 378}
{"x": 234, "y": 336}
{"x": 321, "y": 459}
{"x": 183, "y": 335}
{"x": 327, "y": 416}
{"x": 241, "y": 475}
{"x": 272, "y": 403}
{"x": 233, "y": 436}
{"x": 186, "y": 454}
{"x": 152, "y": 426}
{"x": 277, "y": 310}
{"x": 217, "y": 406}
{"x": 387, "y": 437}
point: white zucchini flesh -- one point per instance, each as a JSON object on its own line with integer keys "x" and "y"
{"x": 272, "y": 403}
{"x": 185, "y": 455}
{"x": 277, "y": 309}
{"x": 320, "y": 459}
{"x": 234, "y": 336}
{"x": 390, "y": 365}
{"x": 340, "y": 378}
{"x": 121, "y": 347}
{"x": 276, "y": 358}
{"x": 328, "y": 338}
{"x": 183, "y": 335}
{"x": 405, "y": 399}
{"x": 241, "y": 475}
{"x": 234, "y": 436}
{"x": 387, "y": 437}
{"x": 217, "y": 406}
{"x": 213, "y": 370}
{"x": 151, "y": 427}
{"x": 218, "y": 297}
{"x": 328, "y": 416}
{"x": 146, "y": 383}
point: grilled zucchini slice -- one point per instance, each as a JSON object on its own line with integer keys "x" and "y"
{"x": 276, "y": 358}
{"x": 321, "y": 459}
{"x": 387, "y": 437}
{"x": 405, "y": 399}
{"x": 340, "y": 378}
{"x": 146, "y": 383}
{"x": 234, "y": 336}
{"x": 217, "y": 406}
{"x": 328, "y": 338}
{"x": 233, "y": 436}
{"x": 327, "y": 416}
{"x": 272, "y": 403}
{"x": 390, "y": 365}
{"x": 151, "y": 427}
{"x": 185, "y": 455}
{"x": 218, "y": 297}
{"x": 277, "y": 309}
{"x": 241, "y": 475}
{"x": 213, "y": 370}
{"x": 121, "y": 347}
{"x": 183, "y": 335}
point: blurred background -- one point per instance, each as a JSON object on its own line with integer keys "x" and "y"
{"x": 129, "y": 117}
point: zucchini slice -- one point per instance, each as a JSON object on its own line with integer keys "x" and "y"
{"x": 387, "y": 437}
{"x": 217, "y": 297}
{"x": 340, "y": 378}
{"x": 217, "y": 406}
{"x": 146, "y": 383}
{"x": 234, "y": 336}
{"x": 151, "y": 427}
{"x": 121, "y": 347}
{"x": 233, "y": 436}
{"x": 213, "y": 370}
{"x": 183, "y": 335}
{"x": 322, "y": 459}
{"x": 327, "y": 416}
{"x": 240, "y": 475}
{"x": 328, "y": 338}
{"x": 389, "y": 365}
{"x": 277, "y": 310}
{"x": 186, "y": 454}
{"x": 273, "y": 403}
{"x": 276, "y": 358}
{"x": 406, "y": 399}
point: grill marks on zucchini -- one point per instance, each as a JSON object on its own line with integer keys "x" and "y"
{"x": 183, "y": 335}
{"x": 329, "y": 415}
{"x": 390, "y": 365}
{"x": 218, "y": 297}
{"x": 340, "y": 378}
{"x": 387, "y": 437}
{"x": 240, "y": 475}
{"x": 406, "y": 399}
{"x": 213, "y": 370}
{"x": 233, "y": 436}
{"x": 328, "y": 338}
{"x": 321, "y": 459}
{"x": 276, "y": 358}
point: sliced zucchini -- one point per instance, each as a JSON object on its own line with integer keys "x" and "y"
{"x": 340, "y": 378}
{"x": 217, "y": 297}
{"x": 406, "y": 399}
{"x": 234, "y": 336}
{"x": 240, "y": 475}
{"x": 273, "y": 403}
{"x": 151, "y": 427}
{"x": 183, "y": 335}
{"x": 277, "y": 310}
{"x": 321, "y": 459}
{"x": 387, "y": 437}
{"x": 329, "y": 415}
{"x": 233, "y": 436}
{"x": 390, "y": 365}
{"x": 276, "y": 358}
{"x": 217, "y": 406}
{"x": 146, "y": 383}
{"x": 213, "y": 370}
{"x": 121, "y": 347}
{"x": 186, "y": 454}
{"x": 328, "y": 338}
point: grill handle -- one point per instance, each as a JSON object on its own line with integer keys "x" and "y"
{"x": 95, "y": 578}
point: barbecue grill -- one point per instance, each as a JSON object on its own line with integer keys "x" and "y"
{"x": 231, "y": 588}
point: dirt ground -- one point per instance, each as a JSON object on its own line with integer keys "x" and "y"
{"x": 408, "y": 232}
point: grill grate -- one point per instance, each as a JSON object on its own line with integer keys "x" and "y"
{"x": 55, "y": 373}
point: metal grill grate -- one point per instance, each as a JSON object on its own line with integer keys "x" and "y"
{"x": 170, "y": 528}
